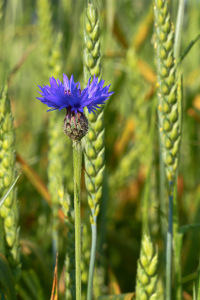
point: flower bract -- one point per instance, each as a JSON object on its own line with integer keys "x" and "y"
{"x": 70, "y": 96}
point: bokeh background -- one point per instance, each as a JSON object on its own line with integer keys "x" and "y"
{"x": 36, "y": 35}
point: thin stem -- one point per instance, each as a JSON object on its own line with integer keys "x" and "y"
{"x": 178, "y": 240}
{"x": 169, "y": 249}
{"x": 92, "y": 259}
{"x": 179, "y": 25}
{"x": 102, "y": 215}
{"x": 77, "y": 158}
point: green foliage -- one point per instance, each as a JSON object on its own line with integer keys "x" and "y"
{"x": 40, "y": 39}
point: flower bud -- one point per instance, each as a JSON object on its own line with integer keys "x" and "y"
{"x": 75, "y": 125}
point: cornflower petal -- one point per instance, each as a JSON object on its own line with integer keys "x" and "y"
{"x": 69, "y": 95}
{"x": 65, "y": 82}
{"x": 53, "y": 83}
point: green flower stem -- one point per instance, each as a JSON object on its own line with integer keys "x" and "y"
{"x": 77, "y": 159}
{"x": 92, "y": 258}
{"x": 169, "y": 249}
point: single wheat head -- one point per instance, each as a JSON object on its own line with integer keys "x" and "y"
{"x": 167, "y": 88}
{"x": 147, "y": 271}
{"x": 94, "y": 148}
{"x": 9, "y": 210}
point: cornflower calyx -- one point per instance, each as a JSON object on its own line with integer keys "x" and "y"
{"x": 70, "y": 96}
{"x": 75, "y": 125}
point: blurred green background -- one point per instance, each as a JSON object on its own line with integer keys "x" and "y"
{"x": 132, "y": 155}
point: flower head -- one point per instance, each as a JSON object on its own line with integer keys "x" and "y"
{"x": 70, "y": 96}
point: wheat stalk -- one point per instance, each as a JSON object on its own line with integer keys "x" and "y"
{"x": 169, "y": 117}
{"x": 167, "y": 89}
{"x": 94, "y": 147}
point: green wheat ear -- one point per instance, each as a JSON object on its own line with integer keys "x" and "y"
{"x": 45, "y": 31}
{"x": 94, "y": 149}
{"x": 146, "y": 280}
{"x": 167, "y": 88}
{"x": 68, "y": 210}
{"x": 94, "y": 140}
{"x": 9, "y": 210}
{"x": 45, "y": 25}
{"x": 56, "y": 149}
{"x": 169, "y": 119}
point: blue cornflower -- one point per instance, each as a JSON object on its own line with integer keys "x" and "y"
{"x": 69, "y": 95}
